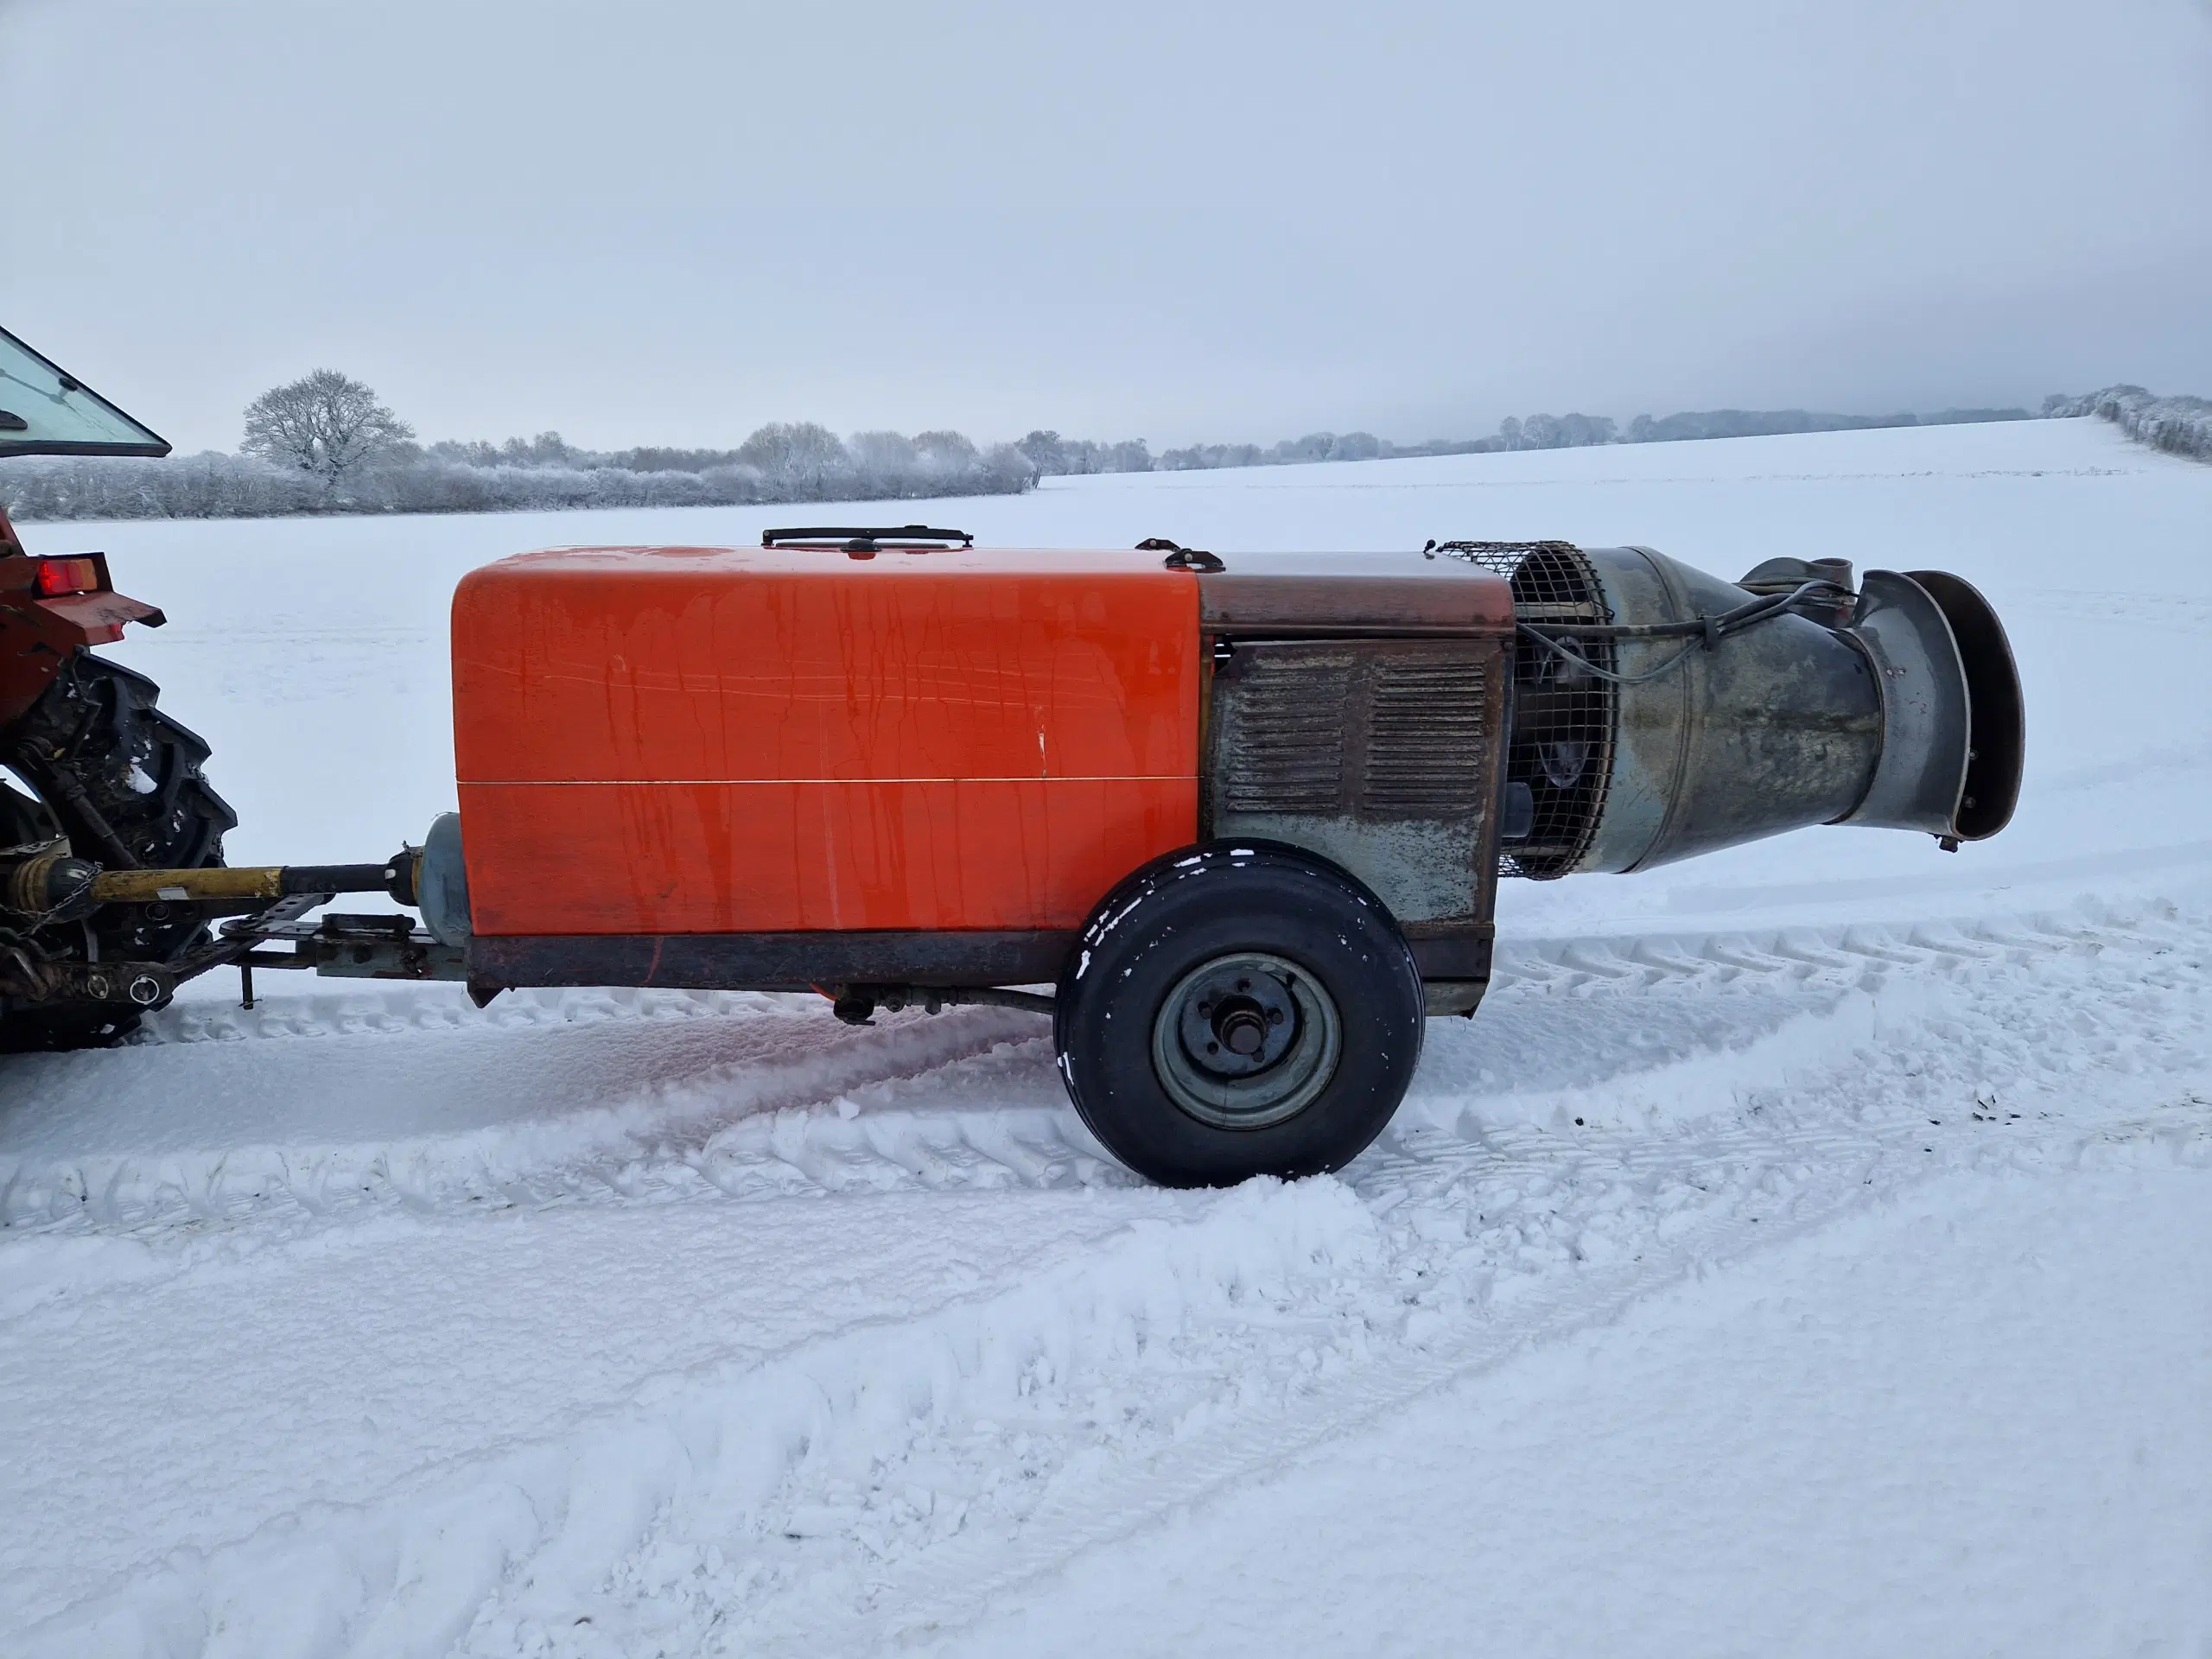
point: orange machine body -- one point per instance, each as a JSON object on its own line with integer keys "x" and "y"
{"x": 659, "y": 741}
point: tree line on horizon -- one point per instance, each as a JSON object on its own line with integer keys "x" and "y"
{"x": 325, "y": 444}
{"x": 1571, "y": 431}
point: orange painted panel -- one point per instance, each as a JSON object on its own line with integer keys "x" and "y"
{"x": 738, "y": 740}
{"x": 705, "y": 858}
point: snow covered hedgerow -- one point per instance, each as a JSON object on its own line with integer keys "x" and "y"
{"x": 780, "y": 464}
{"x": 2180, "y": 426}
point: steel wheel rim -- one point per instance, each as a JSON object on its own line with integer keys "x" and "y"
{"x": 1285, "y": 1073}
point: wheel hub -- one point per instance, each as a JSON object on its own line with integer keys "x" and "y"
{"x": 1236, "y": 1017}
{"x": 1241, "y": 1033}
{"x": 1246, "y": 1040}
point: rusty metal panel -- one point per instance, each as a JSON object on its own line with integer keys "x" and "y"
{"x": 1426, "y": 736}
{"x": 1345, "y": 605}
{"x": 790, "y": 961}
{"x": 1282, "y": 746}
{"x": 1352, "y": 594}
{"x": 1377, "y": 755}
{"x": 1458, "y": 955}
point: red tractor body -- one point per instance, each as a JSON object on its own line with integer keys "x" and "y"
{"x": 48, "y": 609}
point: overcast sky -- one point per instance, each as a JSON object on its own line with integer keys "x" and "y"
{"x": 668, "y": 223}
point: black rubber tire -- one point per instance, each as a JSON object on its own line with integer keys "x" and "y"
{"x": 98, "y": 723}
{"x": 1188, "y": 909}
{"x": 98, "y": 726}
{"x": 24, "y": 821}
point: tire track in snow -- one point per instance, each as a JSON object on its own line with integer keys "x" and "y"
{"x": 891, "y": 1481}
{"x": 936, "y": 1594}
{"x": 789, "y": 1514}
{"x": 968, "y": 1099}
{"x": 1620, "y": 1214}
{"x": 549, "y": 1152}
{"x": 378, "y": 1007}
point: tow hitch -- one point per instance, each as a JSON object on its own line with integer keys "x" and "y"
{"x": 268, "y": 906}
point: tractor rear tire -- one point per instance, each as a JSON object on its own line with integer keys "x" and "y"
{"x": 1238, "y": 1009}
{"x": 123, "y": 781}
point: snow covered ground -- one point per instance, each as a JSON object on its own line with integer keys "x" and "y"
{"x": 1801, "y": 1252}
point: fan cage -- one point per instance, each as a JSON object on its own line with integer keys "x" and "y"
{"x": 1561, "y": 718}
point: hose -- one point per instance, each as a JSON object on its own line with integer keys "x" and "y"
{"x": 1703, "y": 632}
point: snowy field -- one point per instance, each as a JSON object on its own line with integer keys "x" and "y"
{"x": 1804, "y": 1251}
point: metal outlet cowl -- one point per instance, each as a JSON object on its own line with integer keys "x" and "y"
{"x": 1902, "y": 711}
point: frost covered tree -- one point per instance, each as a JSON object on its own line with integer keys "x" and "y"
{"x": 797, "y": 454}
{"x": 325, "y": 423}
{"x": 1314, "y": 446}
{"x": 883, "y": 453}
{"x": 546, "y": 449}
{"x": 468, "y": 454}
{"x": 943, "y": 451}
{"x": 1047, "y": 452}
{"x": 1556, "y": 432}
{"x": 1082, "y": 456}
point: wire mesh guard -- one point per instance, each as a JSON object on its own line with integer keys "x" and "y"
{"x": 1561, "y": 742}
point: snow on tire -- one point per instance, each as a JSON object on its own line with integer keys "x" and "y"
{"x": 1237, "y": 1010}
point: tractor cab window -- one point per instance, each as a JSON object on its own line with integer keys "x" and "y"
{"x": 46, "y": 412}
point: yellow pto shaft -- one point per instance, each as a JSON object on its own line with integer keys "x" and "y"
{"x": 250, "y": 881}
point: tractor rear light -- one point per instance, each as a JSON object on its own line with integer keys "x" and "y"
{"x": 59, "y": 576}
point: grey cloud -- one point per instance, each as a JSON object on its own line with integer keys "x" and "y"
{"x": 668, "y": 224}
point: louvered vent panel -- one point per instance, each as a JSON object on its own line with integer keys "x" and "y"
{"x": 1285, "y": 749}
{"x": 1425, "y": 742}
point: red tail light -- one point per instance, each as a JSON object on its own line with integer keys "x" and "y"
{"x": 59, "y": 576}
